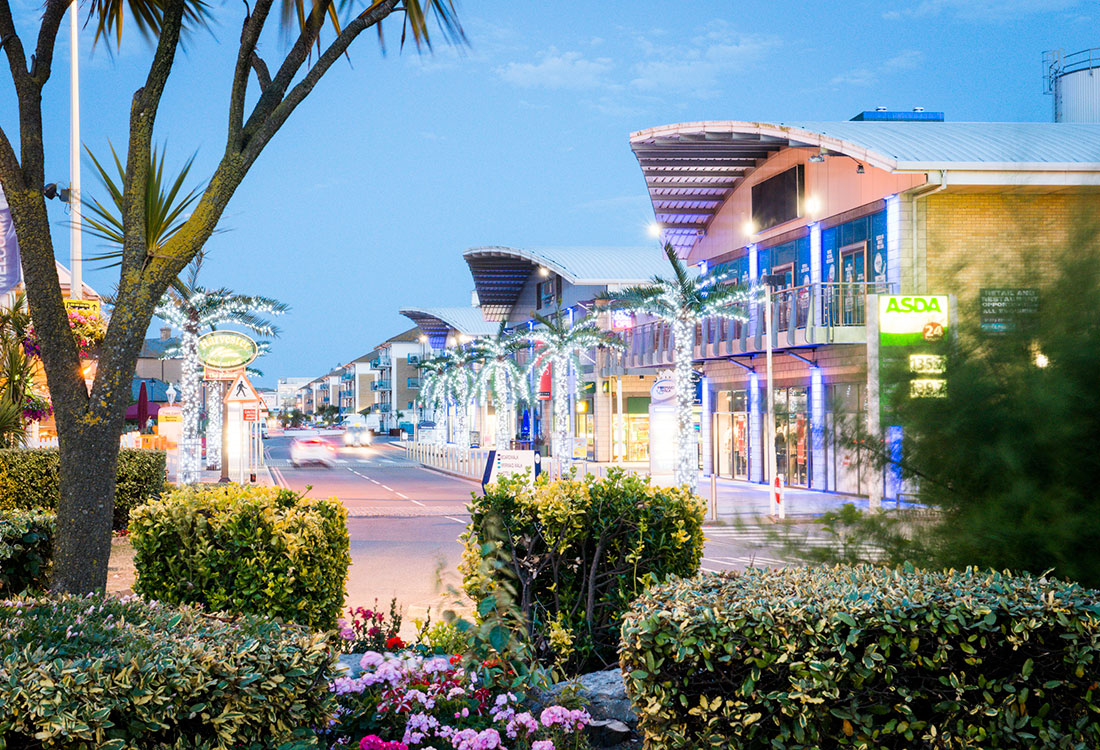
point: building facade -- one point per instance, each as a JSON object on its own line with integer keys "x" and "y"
{"x": 833, "y": 215}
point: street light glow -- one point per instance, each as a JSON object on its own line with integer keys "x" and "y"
{"x": 654, "y": 229}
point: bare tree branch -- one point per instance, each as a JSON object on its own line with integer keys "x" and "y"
{"x": 10, "y": 173}
{"x": 13, "y": 45}
{"x": 143, "y": 112}
{"x": 250, "y": 34}
{"x": 283, "y": 110}
{"x": 263, "y": 76}
{"x": 47, "y": 39}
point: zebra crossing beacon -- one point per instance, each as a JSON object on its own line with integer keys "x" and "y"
{"x": 840, "y": 218}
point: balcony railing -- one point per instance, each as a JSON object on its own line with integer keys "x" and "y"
{"x": 380, "y": 385}
{"x": 381, "y": 363}
{"x": 810, "y": 315}
{"x": 347, "y": 376}
{"x": 414, "y": 382}
{"x": 414, "y": 359}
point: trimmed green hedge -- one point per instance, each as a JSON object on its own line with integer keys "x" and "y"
{"x": 29, "y": 479}
{"x": 122, "y": 674}
{"x": 865, "y": 657}
{"x": 254, "y": 550}
{"x": 26, "y": 546}
{"x": 577, "y": 552}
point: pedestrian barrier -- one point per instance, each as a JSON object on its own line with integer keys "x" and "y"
{"x": 470, "y": 462}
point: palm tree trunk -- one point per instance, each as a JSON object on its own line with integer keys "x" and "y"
{"x": 561, "y": 408}
{"x": 687, "y": 449}
{"x": 191, "y": 396}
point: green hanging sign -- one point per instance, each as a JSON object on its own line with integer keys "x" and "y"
{"x": 227, "y": 350}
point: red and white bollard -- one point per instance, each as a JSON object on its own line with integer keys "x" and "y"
{"x": 779, "y": 510}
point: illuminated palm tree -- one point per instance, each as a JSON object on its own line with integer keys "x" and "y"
{"x": 684, "y": 301}
{"x": 194, "y": 309}
{"x": 450, "y": 381}
{"x": 561, "y": 345}
{"x": 499, "y": 380}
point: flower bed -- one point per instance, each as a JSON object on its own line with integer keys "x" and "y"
{"x": 412, "y": 701}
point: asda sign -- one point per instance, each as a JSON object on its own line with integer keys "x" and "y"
{"x": 905, "y": 320}
{"x": 227, "y": 350}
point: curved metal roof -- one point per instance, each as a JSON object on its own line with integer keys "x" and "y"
{"x": 438, "y": 323}
{"x": 501, "y": 272}
{"x": 691, "y": 168}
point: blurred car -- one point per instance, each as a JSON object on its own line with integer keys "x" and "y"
{"x": 357, "y": 435}
{"x": 312, "y": 450}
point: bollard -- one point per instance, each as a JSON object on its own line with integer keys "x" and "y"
{"x": 713, "y": 497}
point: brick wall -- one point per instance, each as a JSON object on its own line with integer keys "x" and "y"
{"x": 987, "y": 240}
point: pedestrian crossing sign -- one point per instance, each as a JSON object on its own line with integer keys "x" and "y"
{"x": 242, "y": 392}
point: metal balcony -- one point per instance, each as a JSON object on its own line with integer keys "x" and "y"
{"x": 381, "y": 385}
{"x": 811, "y": 315}
{"x": 381, "y": 363}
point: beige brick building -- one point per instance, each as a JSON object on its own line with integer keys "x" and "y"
{"x": 834, "y": 214}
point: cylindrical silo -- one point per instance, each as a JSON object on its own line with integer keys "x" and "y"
{"x": 1074, "y": 80}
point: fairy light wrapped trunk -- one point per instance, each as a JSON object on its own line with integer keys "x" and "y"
{"x": 683, "y": 301}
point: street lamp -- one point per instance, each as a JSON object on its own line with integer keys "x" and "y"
{"x": 771, "y": 281}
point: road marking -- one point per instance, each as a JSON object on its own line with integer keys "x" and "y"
{"x": 279, "y": 478}
{"x": 456, "y": 520}
{"x": 387, "y": 487}
{"x": 390, "y": 489}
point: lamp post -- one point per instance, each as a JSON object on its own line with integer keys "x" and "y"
{"x": 76, "y": 275}
{"x": 777, "y": 509}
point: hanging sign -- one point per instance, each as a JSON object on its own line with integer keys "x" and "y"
{"x": 87, "y": 306}
{"x": 544, "y": 384}
{"x": 210, "y": 373}
{"x": 227, "y": 350}
{"x": 662, "y": 390}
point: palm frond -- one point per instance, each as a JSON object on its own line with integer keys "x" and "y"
{"x": 148, "y": 15}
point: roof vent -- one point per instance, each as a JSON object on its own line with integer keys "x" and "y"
{"x": 881, "y": 114}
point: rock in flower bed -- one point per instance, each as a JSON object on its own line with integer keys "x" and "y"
{"x": 411, "y": 701}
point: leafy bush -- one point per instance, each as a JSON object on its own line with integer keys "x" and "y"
{"x": 29, "y": 479}
{"x": 26, "y": 543}
{"x": 577, "y": 552}
{"x": 121, "y": 673}
{"x": 255, "y": 550}
{"x": 864, "y": 657}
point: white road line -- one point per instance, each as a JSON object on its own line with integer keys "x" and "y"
{"x": 456, "y": 520}
{"x": 387, "y": 487}
{"x": 403, "y": 497}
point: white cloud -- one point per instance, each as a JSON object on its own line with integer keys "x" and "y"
{"x": 559, "y": 70}
{"x": 699, "y": 68}
{"x": 979, "y": 10}
{"x": 865, "y": 76}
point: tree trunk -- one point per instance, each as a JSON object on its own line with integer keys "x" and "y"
{"x": 89, "y": 468}
{"x": 560, "y": 377}
{"x": 687, "y": 449}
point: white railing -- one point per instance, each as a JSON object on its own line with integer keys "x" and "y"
{"x": 470, "y": 462}
{"x": 453, "y": 459}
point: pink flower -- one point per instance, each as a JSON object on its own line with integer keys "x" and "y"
{"x": 542, "y": 745}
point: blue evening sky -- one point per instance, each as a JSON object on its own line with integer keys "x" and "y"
{"x": 366, "y": 199}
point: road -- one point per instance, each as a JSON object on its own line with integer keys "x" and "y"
{"x": 404, "y": 522}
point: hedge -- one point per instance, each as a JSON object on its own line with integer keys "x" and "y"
{"x": 114, "y": 674}
{"x": 29, "y": 479}
{"x": 864, "y": 657}
{"x": 255, "y": 550}
{"x": 26, "y": 544}
{"x": 578, "y": 551}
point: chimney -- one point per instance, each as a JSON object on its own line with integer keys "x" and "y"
{"x": 165, "y": 333}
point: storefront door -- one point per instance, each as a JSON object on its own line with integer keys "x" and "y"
{"x": 783, "y": 296}
{"x": 853, "y": 275}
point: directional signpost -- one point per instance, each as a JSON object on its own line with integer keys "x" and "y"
{"x": 500, "y": 464}
{"x": 245, "y": 449}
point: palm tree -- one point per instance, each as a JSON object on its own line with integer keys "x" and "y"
{"x": 562, "y": 343}
{"x": 499, "y": 379}
{"x": 194, "y": 309}
{"x": 684, "y": 301}
{"x": 450, "y": 380}
{"x": 16, "y": 372}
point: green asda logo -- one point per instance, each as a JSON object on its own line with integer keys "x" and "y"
{"x": 913, "y": 304}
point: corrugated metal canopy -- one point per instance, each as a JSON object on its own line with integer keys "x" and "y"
{"x": 691, "y": 168}
{"x": 500, "y": 272}
{"x": 437, "y": 323}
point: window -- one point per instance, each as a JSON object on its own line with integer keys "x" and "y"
{"x": 545, "y": 293}
{"x": 778, "y": 199}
